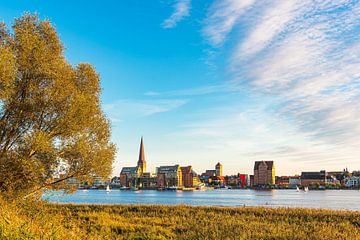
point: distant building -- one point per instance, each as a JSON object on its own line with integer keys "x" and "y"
{"x": 115, "y": 182}
{"x": 244, "y": 180}
{"x": 169, "y": 176}
{"x": 148, "y": 181}
{"x": 352, "y": 181}
{"x": 218, "y": 169}
{"x": 309, "y": 178}
{"x": 294, "y": 181}
{"x": 141, "y": 164}
{"x": 209, "y": 173}
{"x": 283, "y": 181}
{"x": 129, "y": 176}
{"x": 190, "y": 178}
{"x": 264, "y": 173}
{"x": 251, "y": 180}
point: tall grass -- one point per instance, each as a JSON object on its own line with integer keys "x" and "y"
{"x": 51, "y": 221}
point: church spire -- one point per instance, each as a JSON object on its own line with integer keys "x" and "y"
{"x": 142, "y": 163}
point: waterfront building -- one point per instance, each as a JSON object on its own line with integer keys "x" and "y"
{"x": 244, "y": 180}
{"x": 294, "y": 181}
{"x": 141, "y": 164}
{"x": 130, "y": 176}
{"x": 283, "y": 181}
{"x": 217, "y": 180}
{"x": 352, "y": 181}
{"x": 218, "y": 169}
{"x": 190, "y": 178}
{"x": 310, "y": 178}
{"x": 264, "y": 173}
{"x": 115, "y": 182}
{"x": 72, "y": 182}
{"x": 232, "y": 180}
{"x": 209, "y": 173}
{"x": 148, "y": 181}
{"x": 169, "y": 176}
{"x": 251, "y": 180}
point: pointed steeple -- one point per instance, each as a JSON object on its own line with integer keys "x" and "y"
{"x": 141, "y": 162}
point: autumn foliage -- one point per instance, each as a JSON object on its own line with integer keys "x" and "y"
{"x": 51, "y": 124}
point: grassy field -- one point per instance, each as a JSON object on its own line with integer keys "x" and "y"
{"x": 50, "y": 221}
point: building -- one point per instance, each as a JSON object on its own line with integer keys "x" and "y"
{"x": 310, "y": 178}
{"x": 244, "y": 180}
{"x": 283, "y": 181}
{"x": 264, "y": 173}
{"x": 190, "y": 178}
{"x": 218, "y": 169}
{"x": 169, "y": 176}
{"x": 209, "y": 173}
{"x": 294, "y": 181}
{"x": 115, "y": 182}
{"x": 352, "y": 181}
{"x": 148, "y": 181}
{"x": 141, "y": 164}
{"x": 130, "y": 176}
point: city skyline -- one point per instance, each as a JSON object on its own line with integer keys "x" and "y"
{"x": 221, "y": 81}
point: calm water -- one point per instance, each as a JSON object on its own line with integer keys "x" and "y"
{"x": 334, "y": 199}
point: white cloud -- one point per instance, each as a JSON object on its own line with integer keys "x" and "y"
{"x": 123, "y": 109}
{"x": 271, "y": 23}
{"x": 195, "y": 91}
{"x": 305, "y": 53}
{"x": 181, "y": 10}
{"x": 223, "y": 16}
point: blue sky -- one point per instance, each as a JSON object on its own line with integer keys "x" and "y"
{"x": 225, "y": 80}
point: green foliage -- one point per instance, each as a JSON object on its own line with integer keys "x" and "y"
{"x": 52, "y": 221}
{"x": 50, "y": 115}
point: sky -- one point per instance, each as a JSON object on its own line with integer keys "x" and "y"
{"x": 230, "y": 81}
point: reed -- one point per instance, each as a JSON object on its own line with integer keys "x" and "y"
{"x": 51, "y": 221}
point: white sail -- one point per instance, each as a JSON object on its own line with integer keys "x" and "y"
{"x": 108, "y": 188}
{"x": 297, "y": 189}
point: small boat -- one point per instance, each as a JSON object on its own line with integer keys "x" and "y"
{"x": 306, "y": 189}
{"x": 108, "y": 188}
{"x": 297, "y": 189}
{"x": 124, "y": 188}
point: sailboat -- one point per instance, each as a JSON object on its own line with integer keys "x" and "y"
{"x": 108, "y": 188}
{"x": 306, "y": 189}
{"x": 297, "y": 189}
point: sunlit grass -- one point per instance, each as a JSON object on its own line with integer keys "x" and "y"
{"x": 52, "y": 221}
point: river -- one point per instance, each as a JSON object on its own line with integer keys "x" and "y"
{"x": 330, "y": 199}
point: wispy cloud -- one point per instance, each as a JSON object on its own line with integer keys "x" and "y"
{"x": 305, "y": 54}
{"x": 222, "y": 17}
{"x": 124, "y": 109}
{"x": 196, "y": 91}
{"x": 181, "y": 10}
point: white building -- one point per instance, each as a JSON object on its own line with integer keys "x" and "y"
{"x": 352, "y": 181}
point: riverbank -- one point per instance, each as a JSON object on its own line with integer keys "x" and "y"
{"x": 53, "y": 221}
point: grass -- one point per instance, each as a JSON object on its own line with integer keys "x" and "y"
{"x": 51, "y": 221}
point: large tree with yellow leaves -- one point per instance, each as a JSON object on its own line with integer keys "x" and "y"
{"x": 51, "y": 124}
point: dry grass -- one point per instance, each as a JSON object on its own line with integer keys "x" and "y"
{"x": 51, "y": 221}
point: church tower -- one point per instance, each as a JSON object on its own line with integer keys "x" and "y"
{"x": 141, "y": 164}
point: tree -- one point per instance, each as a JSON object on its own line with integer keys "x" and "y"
{"x": 51, "y": 122}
